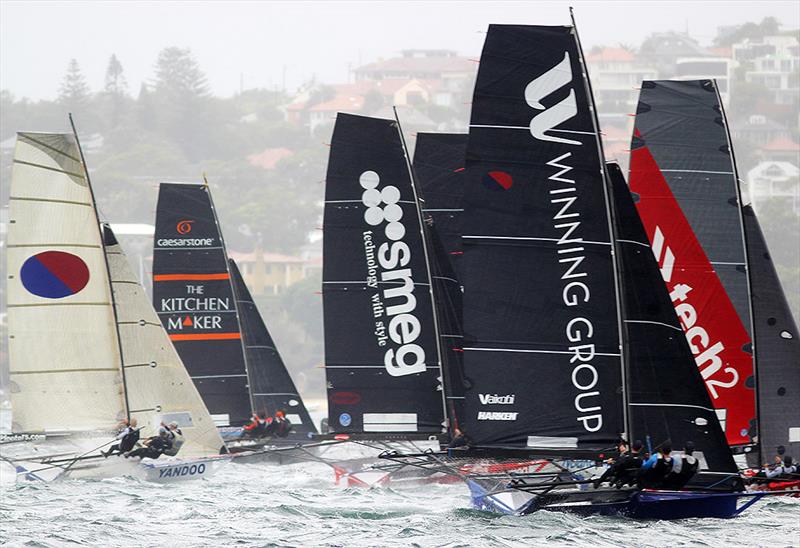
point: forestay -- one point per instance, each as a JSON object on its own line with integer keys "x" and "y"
{"x": 194, "y": 299}
{"x": 158, "y": 387}
{"x": 542, "y": 353}
{"x": 682, "y": 169}
{"x": 381, "y": 351}
{"x": 271, "y": 386}
{"x": 63, "y": 348}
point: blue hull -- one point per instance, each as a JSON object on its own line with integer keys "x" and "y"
{"x": 665, "y": 505}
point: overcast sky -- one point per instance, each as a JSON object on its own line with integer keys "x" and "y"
{"x": 257, "y": 41}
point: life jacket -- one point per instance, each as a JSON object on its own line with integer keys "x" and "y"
{"x": 177, "y": 442}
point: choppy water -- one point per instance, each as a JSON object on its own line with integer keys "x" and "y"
{"x": 298, "y": 505}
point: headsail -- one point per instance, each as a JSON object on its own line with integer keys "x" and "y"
{"x": 271, "y": 386}
{"x": 439, "y": 166}
{"x": 439, "y": 169}
{"x": 542, "y": 353}
{"x": 668, "y": 400}
{"x": 381, "y": 349}
{"x": 158, "y": 387}
{"x": 777, "y": 349}
{"x": 682, "y": 169}
{"x": 63, "y": 348}
{"x": 193, "y": 296}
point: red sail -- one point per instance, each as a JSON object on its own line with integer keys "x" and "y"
{"x": 715, "y": 333}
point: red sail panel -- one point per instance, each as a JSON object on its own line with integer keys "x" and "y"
{"x": 715, "y": 333}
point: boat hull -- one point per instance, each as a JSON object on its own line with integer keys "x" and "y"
{"x": 647, "y": 504}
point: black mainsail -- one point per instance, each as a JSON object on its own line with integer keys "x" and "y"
{"x": 382, "y": 358}
{"x": 683, "y": 170}
{"x": 541, "y": 310}
{"x": 777, "y": 349}
{"x": 667, "y": 397}
{"x": 194, "y": 298}
{"x": 439, "y": 171}
{"x": 271, "y": 386}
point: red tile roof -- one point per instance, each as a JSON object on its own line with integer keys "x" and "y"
{"x": 782, "y": 144}
{"x": 269, "y": 157}
{"x": 340, "y": 103}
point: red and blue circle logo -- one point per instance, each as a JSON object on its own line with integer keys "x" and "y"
{"x": 497, "y": 180}
{"x": 54, "y": 274}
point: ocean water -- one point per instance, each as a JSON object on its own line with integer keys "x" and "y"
{"x": 299, "y": 505}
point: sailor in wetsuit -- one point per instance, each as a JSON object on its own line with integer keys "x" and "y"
{"x": 154, "y": 446}
{"x": 786, "y": 468}
{"x": 257, "y": 427}
{"x": 280, "y": 425}
{"x": 683, "y": 468}
{"x": 177, "y": 440}
{"x": 655, "y": 469}
{"x": 623, "y": 471}
{"x": 128, "y": 436}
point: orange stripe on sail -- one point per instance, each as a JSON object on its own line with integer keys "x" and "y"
{"x": 205, "y": 336}
{"x": 190, "y": 277}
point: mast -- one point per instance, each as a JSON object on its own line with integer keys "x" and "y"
{"x": 228, "y": 269}
{"x": 108, "y": 270}
{"x": 424, "y": 237}
{"x": 611, "y": 227}
{"x": 740, "y": 205}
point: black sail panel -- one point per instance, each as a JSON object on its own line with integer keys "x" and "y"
{"x": 381, "y": 348}
{"x": 439, "y": 170}
{"x": 667, "y": 397}
{"x": 271, "y": 386}
{"x": 193, "y": 297}
{"x": 777, "y": 349}
{"x": 542, "y": 342}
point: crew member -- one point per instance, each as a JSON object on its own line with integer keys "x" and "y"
{"x": 281, "y": 425}
{"x": 154, "y": 446}
{"x": 128, "y": 436}
{"x": 786, "y": 468}
{"x": 683, "y": 468}
{"x": 177, "y": 440}
{"x": 623, "y": 470}
{"x": 460, "y": 440}
{"x": 655, "y": 469}
{"x": 257, "y": 427}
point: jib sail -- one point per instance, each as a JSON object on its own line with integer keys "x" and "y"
{"x": 271, "y": 386}
{"x": 777, "y": 349}
{"x": 682, "y": 169}
{"x": 381, "y": 350}
{"x": 193, "y": 296}
{"x": 438, "y": 166}
{"x": 667, "y": 398}
{"x": 541, "y": 319}
{"x": 158, "y": 388}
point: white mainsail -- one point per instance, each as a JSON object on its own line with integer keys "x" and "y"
{"x": 158, "y": 386}
{"x": 63, "y": 349}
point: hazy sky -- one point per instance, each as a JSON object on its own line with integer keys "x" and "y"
{"x": 257, "y": 41}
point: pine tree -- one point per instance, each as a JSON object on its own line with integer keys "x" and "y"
{"x": 115, "y": 81}
{"x": 74, "y": 91}
{"x": 178, "y": 76}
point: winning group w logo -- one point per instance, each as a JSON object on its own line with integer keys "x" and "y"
{"x": 542, "y": 86}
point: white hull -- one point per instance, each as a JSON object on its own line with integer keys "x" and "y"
{"x": 80, "y": 459}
